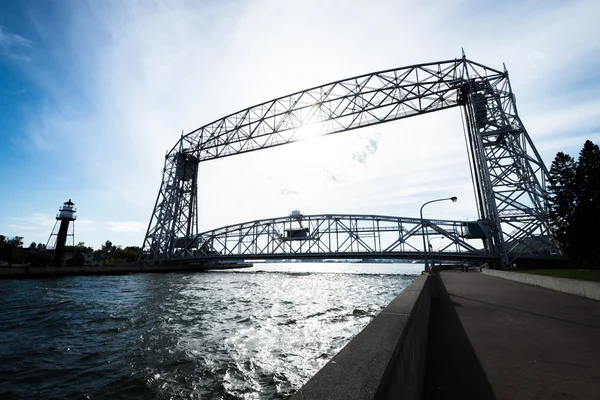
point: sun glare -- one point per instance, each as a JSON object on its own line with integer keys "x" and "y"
{"x": 308, "y": 131}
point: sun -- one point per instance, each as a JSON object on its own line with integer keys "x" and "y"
{"x": 308, "y": 131}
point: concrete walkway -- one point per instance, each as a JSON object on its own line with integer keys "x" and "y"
{"x": 494, "y": 338}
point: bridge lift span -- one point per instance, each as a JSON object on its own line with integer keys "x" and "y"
{"x": 509, "y": 176}
{"x": 333, "y": 235}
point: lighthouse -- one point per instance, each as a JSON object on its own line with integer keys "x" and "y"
{"x": 66, "y": 215}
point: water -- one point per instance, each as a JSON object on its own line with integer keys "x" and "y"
{"x": 253, "y": 334}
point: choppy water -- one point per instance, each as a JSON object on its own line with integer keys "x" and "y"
{"x": 253, "y": 334}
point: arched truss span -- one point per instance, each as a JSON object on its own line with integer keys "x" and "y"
{"x": 508, "y": 173}
{"x": 333, "y": 236}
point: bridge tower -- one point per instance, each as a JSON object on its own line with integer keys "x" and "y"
{"x": 176, "y": 206}
{"x": 61, "y": 232}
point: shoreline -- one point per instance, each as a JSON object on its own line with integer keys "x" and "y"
{"x": 28, "y": 272}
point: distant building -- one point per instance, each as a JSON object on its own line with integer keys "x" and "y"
{"x": 88, "y": 258}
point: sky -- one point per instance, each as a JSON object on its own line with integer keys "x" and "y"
{"x": 94, "y": 93}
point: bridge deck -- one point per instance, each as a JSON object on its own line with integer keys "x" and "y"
{"x": 495, "y": 338}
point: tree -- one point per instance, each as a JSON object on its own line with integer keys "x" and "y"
{"x": 109, "y": 250}
{"x": 10, "y": 248}
{"x": 130, "y": 253}
{"x": 80, "y": 248}
{"x": 33, "y": 245}
{"x": 562, "y": 196}
{"x": 587, "y": 176}
{"x": 4, "y": 248}
{"x": 574, "y": 203}
{"x": 587, "y": 212}
{"x": 16, "y": 241}
{"x": 107, "y": 247}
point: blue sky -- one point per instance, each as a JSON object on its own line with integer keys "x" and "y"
{"x": 92, "y": 95}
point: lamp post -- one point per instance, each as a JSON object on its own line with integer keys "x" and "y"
{"x": 423, "y": 228}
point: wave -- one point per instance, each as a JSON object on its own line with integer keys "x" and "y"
{"x": 258, "y": 334}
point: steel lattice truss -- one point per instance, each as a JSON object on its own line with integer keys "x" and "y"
{"x": 508, "y": 173}
{"x": 332, "y": 236}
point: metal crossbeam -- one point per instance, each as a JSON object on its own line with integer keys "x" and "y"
{"x": 508, "y": 174}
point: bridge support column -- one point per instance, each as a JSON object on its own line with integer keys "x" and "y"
{"x": 508, "y": 182}
{"x": 174, "y": 223}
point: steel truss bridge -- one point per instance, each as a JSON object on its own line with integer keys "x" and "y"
{"x": 337, "y": 235}
{"x": 508, "y": 174}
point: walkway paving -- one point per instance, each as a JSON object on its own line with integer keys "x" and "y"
{"x": 494, "y": 338}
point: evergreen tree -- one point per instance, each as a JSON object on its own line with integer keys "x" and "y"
{"x": 563, "y": 200}
{"x": 587, "y": 212}
{"x": 574, "y": 203}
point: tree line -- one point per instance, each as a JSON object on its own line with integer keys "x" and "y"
{"x": 12, "y": 251}
{"x": 574, "y": 204}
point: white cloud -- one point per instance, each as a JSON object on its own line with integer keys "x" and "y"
{"x": 570, "y": 118}
{"x": 288, "y": 192}
{"x": 11, "y": 45}
{"x": 38, "y": 227}
{"x": 536, "y": 58}
{"x": 36, "y": 222}
{"x": 126, "y": 226}
{"x": 370, "y": 148}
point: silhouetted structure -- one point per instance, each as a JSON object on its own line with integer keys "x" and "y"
{"x": 509, "y": 176}
{"x": 66, "y": 214}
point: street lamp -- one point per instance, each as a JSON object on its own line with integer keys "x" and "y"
{"x": 423, "y": 228}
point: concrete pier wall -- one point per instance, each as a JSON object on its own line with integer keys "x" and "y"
{"x": 386, "y": 360}
{"x": 573, "y": 286}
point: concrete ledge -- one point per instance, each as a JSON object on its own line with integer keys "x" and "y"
{"x": 572, "y": 286}
{"x": 386, "y": 360}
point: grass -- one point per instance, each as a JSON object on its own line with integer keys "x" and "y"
{"x": 581, "y": 274}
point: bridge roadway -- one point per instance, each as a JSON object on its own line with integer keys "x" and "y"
{"x": 492, "y": 338}
{"x": 407, "y": 256}
{"x": 342, "y": 236}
